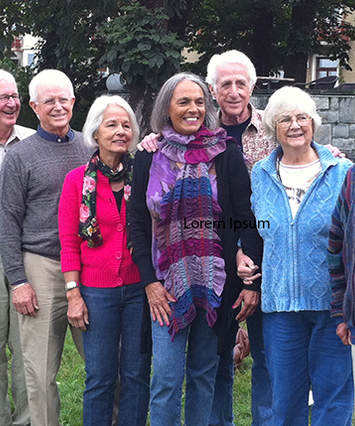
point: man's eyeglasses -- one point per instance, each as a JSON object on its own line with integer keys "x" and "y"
{"x": 53, "y": 101}
{"x": 285, "y": 121}
{"x": 4, "y": 99}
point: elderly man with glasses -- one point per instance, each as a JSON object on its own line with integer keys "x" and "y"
{"x": 30, "y": 185}
{"x": 10, "y": 133}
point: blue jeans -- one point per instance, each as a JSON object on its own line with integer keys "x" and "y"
{"x": 303, "y": 352}
{"x": 168, "y": 373}
{"x": 261, "y": 399}
{"x": 261, "y": 394}
{"x": 112, "y": 341}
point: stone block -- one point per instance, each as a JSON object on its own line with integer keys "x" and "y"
{"x": 347, "y": 109}
{"x": 347, "y": 146}
{"x": 334, "y": 103}
{"x": 322, "y": 102}
{"x": 324, "y": 134}
{"x": 329, "y": 116}
{"x": 341, "y": 131}
{"x": 343, "y": 143}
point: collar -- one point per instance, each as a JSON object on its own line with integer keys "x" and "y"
{"x": 326, "y": 158}
{"x": 14, "y": 137}
{"x": 256, "y": 118}
{"x": 51, "y": 137}
{"x": 18, "y": 133}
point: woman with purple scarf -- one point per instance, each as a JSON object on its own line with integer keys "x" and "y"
{"x": 189, "y": 206}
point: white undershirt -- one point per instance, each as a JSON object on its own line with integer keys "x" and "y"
{"x": 296, "y": 180}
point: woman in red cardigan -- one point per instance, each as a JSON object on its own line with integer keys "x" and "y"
{"x": 104, "y": 292}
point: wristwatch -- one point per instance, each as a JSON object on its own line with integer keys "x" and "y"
{"x": 70, "y": 285}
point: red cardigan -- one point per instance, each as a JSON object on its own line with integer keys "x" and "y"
{"x": 109, "y": 265}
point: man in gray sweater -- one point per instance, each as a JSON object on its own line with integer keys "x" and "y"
{"x": 10, "y": 133}
{"x": 30, "y": 185}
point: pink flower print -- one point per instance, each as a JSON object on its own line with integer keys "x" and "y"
{"x": 84, "y": 213}
{"x": 89, "y": 184}
{"x": 127, "y": 192}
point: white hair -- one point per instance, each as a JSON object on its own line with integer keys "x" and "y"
{"x": 49, "y": 77}
{"x": 229, "y": 57}
{"x": 95, "y": 116}
{"x": 8, "y": 77}
{"x": 289, "y": 99}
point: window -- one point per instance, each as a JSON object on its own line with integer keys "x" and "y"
{"x": 326, "y": 67}
{"x": 30, "y": 58}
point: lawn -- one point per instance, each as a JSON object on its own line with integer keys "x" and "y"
{"x": 71, "y": 384}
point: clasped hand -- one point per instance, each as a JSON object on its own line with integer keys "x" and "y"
{"x": 159, "y": 299}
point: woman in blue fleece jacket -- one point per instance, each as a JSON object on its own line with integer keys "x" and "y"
{"x": 295, "y": 189}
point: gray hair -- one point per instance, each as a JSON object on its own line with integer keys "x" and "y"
{"x": 229, "y": 57}
{"x": 49, "y": 77}
{"x": 289, "y": 99}
{"x": 95, "y": 116}
{"x": 160, "y": 114}
{"x": 8, "y": 77}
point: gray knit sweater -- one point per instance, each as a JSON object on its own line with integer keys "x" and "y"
{"x": 31, "y": 181}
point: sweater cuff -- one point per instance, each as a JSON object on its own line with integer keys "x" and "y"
{"x": 70, "y": 262}
{"x": 146, "y": 270}
{"x": 19, "y": 282}
{"x": 256, "y": 286}
{"x": 17, "y": 276}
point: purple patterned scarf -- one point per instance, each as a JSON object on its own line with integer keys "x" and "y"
{"x": 180, "y": 195}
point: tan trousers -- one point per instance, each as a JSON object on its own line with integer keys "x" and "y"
{"x": 9, "y": 335}
{"x": 42, "y": 338}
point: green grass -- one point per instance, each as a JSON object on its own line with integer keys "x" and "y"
{"x": 71, "y": 385}
{"x": 70, "y": 380}
{"x": 241, "y": 393}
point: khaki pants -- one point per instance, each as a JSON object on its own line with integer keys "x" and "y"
{"x": 9, "y": 335}
{"x": 42, "y": 338}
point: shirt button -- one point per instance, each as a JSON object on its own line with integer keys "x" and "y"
{"x": 59, "y": 140}
{"x": 119, "y": 281}
{"x": 118, "y": 255}
{"x": 119, "y": 227}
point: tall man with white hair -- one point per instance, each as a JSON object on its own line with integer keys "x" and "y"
{"x": 30, "y": 185}
{"x": 231, "y": 77}
{"x": 10, "y": 133}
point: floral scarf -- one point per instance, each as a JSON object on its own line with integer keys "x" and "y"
{"x": 89, "y": 228}
{"x": 179, "y": 193}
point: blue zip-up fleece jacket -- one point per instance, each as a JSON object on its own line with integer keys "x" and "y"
{"x": 295, "y": 269}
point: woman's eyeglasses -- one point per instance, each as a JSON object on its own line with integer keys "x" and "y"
{"x": 285, "y": 122}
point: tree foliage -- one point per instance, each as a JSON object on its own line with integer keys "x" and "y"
{"x": 142, "y": 39}
{"x": 143, "y": 50}
{"x": 276, "y": 34}
{"x": 67, "y": 30}
{"x": 75, "y": 38}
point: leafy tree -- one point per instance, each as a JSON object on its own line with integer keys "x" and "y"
{"x": 142, "y": 39}
{"x": 67, "y": 30}
{"x": 77, "y": 37}
{"x": 141, "y": 48}
{"x": 276, "y": 34}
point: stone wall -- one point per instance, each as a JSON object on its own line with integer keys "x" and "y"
{"x": 338, "y": 120}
